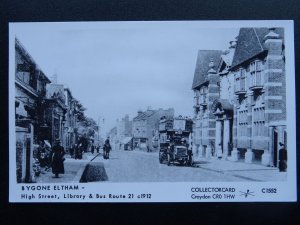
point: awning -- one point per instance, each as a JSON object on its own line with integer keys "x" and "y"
{"x": 126, "y": 140}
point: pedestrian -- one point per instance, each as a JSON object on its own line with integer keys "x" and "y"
{"x": 92, "y": 149}
{"x": 78, "y": 151}
{"x": 58, "y": 159}
{"x": 282, "y": 158}
{"x": 41, "y": 154}
{"x": 106, "y": 148}
{"x": 72, "y": 149}
{"x": 97, "y": 148}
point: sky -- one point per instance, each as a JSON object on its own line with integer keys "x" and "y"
{"x": 118, "y": 68}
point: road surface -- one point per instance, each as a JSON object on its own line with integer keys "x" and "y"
{"x": 138, "y": 166}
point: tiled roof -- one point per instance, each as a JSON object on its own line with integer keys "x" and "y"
{"x": 202, "y": 65}
{"x": 144, "y": 115}
{"x": 251, "y": 43}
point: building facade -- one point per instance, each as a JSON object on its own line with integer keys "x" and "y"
{"x": 246, "y": 112}
{"x": 260, "y": 107}
{"x": 113, "y": 138}
{"x": 30, "y": 91}
{"x": 145, "y": 127}
{"x": 124, "y": 131}
{"x": 206, "y": 90}
{"x": 70, "y": 117}
{"x": 56, "y": 113}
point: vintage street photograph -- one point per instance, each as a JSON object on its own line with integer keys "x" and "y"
{"x": 177, "y": 101}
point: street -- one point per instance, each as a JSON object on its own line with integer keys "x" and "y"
{"x": 139, "y": 166}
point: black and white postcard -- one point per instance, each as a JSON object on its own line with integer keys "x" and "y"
{"x": 156, "y": 111}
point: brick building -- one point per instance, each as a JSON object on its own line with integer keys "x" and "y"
{"x": 206, "y": 89}
{"x": 260, "y": 107}
{"x": 247, "y": 109}
{"x": 145, "y": 127}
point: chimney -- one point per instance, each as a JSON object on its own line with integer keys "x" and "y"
{"x": 232, "y": 44}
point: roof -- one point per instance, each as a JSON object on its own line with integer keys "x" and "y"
{"x": 126, "y": 140}
{"x": 202, "y": 65}
{"x": 21, "y": 49}
{"x": 228, "y": 57}
{"x": 144, "y": 115}
{"x": 250, "y": 43}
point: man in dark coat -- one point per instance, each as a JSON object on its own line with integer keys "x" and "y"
{"x": 92, "y": 149}
{"x": 106, "y": 149}
{"x": 57, "y": 157}
{"x": 282, "y": 158}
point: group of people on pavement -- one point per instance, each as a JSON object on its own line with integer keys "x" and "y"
{"x": 54, "y": 157}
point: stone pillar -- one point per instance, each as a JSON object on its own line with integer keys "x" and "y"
{"x": 234, "y": 155}
{"x": 208, "y": 152}
{"x": 200, "y": 151}
{"x": 218, "y": 141}
{"x": 266, "y": 158}
{"x": 226, "y": 137}
{"x": 249, "y": 156}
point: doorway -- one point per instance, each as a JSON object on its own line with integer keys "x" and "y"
{"x": 27, "y": 160}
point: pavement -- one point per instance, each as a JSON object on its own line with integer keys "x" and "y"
{"x": 73, "y": 170}
{"x": 247, "y": 171}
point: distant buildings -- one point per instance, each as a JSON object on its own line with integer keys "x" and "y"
{"x": 124, "y": 132}
{"x": 113, "y": 138}
{"x": 240, "y": 99}
{"x": 145, "y": 127}
{"x": 70, "y": 119}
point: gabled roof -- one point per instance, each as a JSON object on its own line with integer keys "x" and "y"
{"x": 251, "y": 43}
{"x": 202, "y": 65}
{"x": 226, "y": 61}
{"x": 144, "y": 115}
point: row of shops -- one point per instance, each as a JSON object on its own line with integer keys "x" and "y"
{"x": 44, "y": 111}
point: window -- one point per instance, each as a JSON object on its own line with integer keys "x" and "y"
{"x": 258, "y": 117}
{"x": 203, "y": 92}
{"x": 242, "y": 119}
{"x": 242, "y": 122}
{"x": 196, "y": 97}
{"x": 258, "y": 121}
{"x": 256, "y": 70}
{"x": 240, "y": 80}
{"x": 243, "y": 79}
